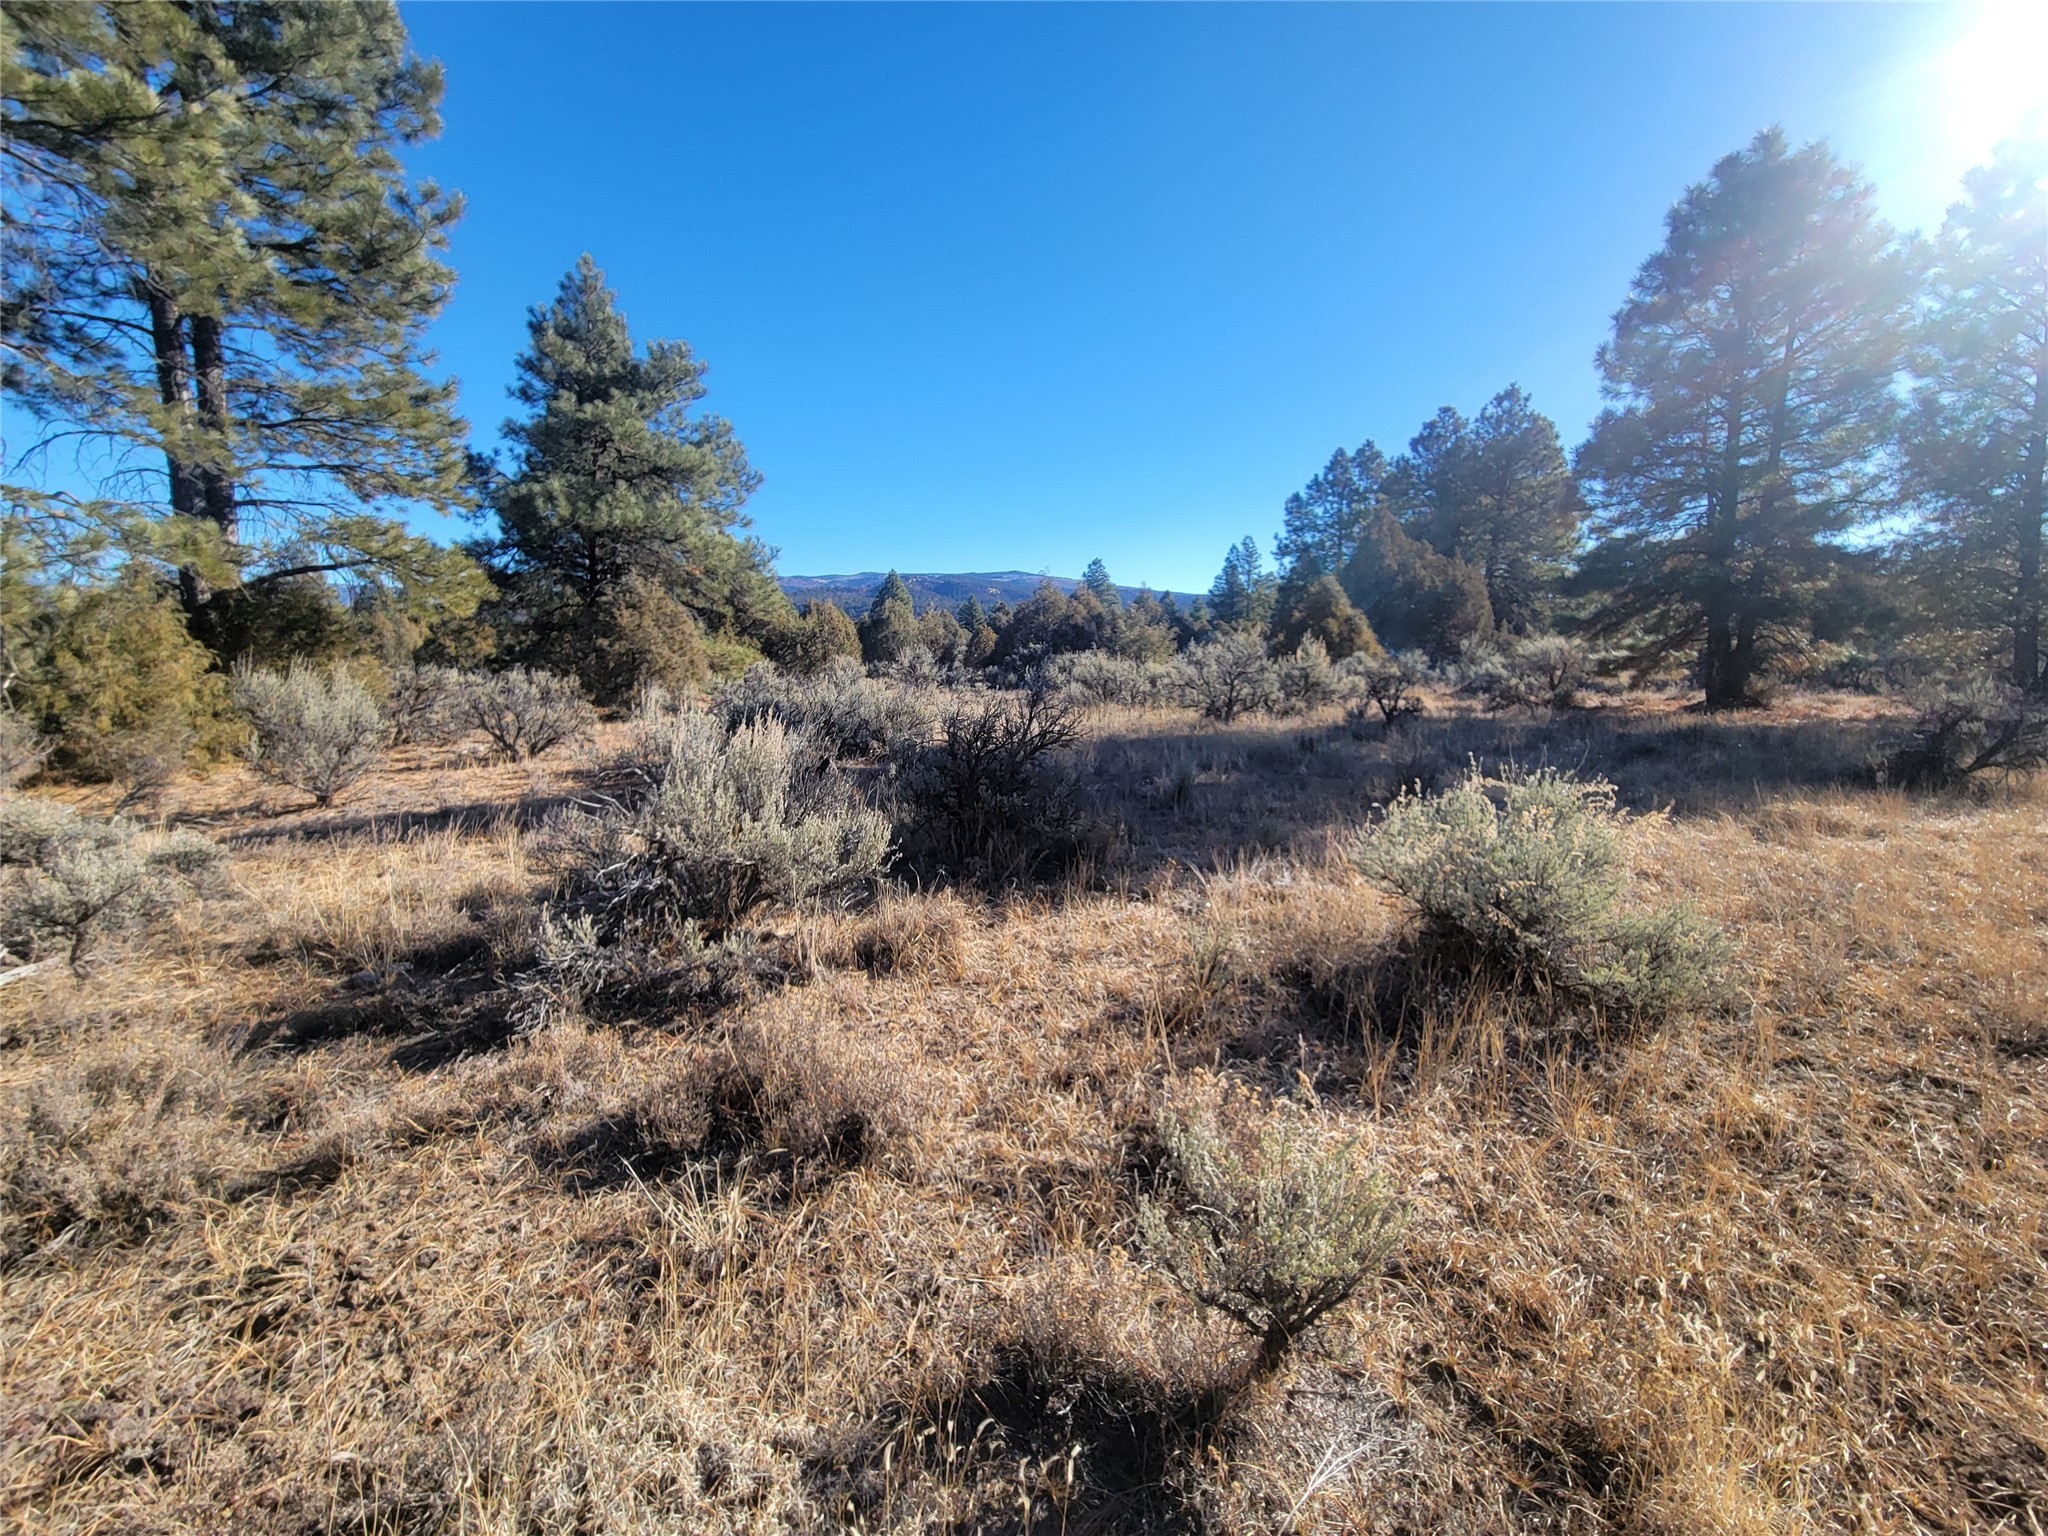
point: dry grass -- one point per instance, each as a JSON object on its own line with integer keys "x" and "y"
{"x": 299, "y": 1238}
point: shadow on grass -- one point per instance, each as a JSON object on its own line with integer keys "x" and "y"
{"x": 1203, "y": 796}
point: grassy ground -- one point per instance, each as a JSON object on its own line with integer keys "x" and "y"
{"x": 299, "y": 1237}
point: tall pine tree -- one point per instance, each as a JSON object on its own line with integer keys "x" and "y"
{"x": 213, "y": 257}
{"x": 1751, "y": 374}
{"x": 1244, "y": 593}
{"x": 621, "y": 495}
{"x": 1977, "y": 439}
{"x": 1323, "y": 522}
{"x": 1498, "y": 494}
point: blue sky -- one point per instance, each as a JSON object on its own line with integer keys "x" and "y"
{"x": 1013, "y": 286}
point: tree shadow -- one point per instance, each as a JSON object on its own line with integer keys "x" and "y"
{"x": 1204, "y": 797}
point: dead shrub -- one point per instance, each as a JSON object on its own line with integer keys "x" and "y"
{"x": 1979, "y": 728}
{"x": 989, "y": 799}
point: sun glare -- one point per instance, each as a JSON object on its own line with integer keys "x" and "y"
{"x": 1993, "y": 79}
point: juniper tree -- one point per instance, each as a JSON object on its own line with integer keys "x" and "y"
{"x": 1977, "y": 439}
{"x": 617, "y": 481}
{"x": 214, "y": 259}
{"x": 1751, "y": 379}
{"x": 888, "y": 631}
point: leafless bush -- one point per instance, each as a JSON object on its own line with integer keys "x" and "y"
{"x": 525, "y": 713}
{"x": 1231, "y": 676}
{"x": 1390, "y": 685}
{"x": 426, "y": 706}
{"x": 313, "y": 730}
{"x": 987, "y": 799}
{"x": 70, "y": 883}
{"x": 1976, "y": 728}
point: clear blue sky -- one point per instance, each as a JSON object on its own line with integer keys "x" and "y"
{"x": 1012, "y": 286}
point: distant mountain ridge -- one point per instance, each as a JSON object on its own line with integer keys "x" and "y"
{"x": 932, "y": 589}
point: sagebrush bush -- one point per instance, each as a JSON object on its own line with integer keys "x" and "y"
{"x": 989, "y": 799}
{"x": 1523, "y": 877}
{"x": 1388, "y": 685}
{"x": 319, "y": 731}
{"x": 22, "y": 750}
{"x": 1976, "y": 728}
{"x": 425, "y": 706}
{"x": 1274, "y": 1228}
{"x": 712, "y": 826}
{"x": 1088, "y": 678}
{"x": 1231, "y": 676}
{"x": 1546, "y": 671}
{"x": 525, "y": 713}
{"x": 849, "y": 714}
{"x": 1306, "y": 680}
{"x": 70, "y": 883}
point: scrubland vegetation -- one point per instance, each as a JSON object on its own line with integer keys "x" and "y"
{"x": 1525, "y": 1015}
{"x": 608, "y": 1141}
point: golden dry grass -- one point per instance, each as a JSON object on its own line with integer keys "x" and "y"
{"x": 301, "y": 1240}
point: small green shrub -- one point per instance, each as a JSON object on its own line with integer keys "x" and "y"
{"x": 124, "y": 693}
{"x": 1970, "y": 729}
{"x": 319, "y": 731}
{"x": 70, "y": 883}
{"x": 1274, "y": 1229}
{"x": 525, "y": 713}
{"x": 1523, "y": 877}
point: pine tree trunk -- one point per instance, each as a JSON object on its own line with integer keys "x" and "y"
{"x": 1719, "y": 673}
{"x": 2028, "y": 596}
{"x": 174, "y": 384}
{"x": 216, "y": 481}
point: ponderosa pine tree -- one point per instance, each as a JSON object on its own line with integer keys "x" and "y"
{"x": 1751, "y": 374}
{"x": 1977, "y": 438}
{"x": 214, "y": 256}
{"x": 1323, "y": 522}
{"x": 1498, "y": 494}
{"x": 1244, "y": 593}
{"x": 1096, "y": 580}
{"x": 619, "y": 490}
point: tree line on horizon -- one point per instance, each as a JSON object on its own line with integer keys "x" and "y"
{"x": 216, "y": 279}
